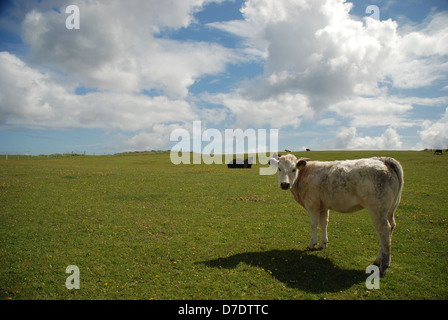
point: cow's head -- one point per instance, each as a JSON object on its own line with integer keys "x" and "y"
{"x": 288, "y": 168}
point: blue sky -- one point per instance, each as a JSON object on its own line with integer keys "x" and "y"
{"x": 324, "y": 73}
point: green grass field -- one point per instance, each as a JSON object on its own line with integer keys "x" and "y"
{"x": 139, "y": 227}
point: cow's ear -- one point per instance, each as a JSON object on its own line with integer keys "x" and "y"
{"x": 301, "y": 164}
{"x": 273, "y": 162}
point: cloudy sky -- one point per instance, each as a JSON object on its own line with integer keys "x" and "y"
{"x": 328, "y": 74}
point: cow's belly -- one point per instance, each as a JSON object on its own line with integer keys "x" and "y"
{"x": 343, "y": 204}
{"x": 346, "y": 209}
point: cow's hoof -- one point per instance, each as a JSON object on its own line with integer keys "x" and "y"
{"x": 383, "y": 270}
{"x": 323, "y": 246}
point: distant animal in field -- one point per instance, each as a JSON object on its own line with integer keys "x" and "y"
{"x": 438, "y": 151}
{"x": 240, "y": 163}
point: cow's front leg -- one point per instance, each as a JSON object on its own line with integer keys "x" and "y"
{"x": 314, "y": 223}
{"x": 323, "y": 222}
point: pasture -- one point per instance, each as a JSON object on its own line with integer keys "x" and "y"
{"x": 139, "y": 227}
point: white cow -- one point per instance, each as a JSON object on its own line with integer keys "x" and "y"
{"x": 345, "y": 186}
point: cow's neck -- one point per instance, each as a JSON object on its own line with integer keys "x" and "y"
{"x": 295, "y": 189}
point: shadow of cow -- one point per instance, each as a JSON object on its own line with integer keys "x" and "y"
{"x": 296, "y": 269}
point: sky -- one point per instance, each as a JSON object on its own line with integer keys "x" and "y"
{"x": 327, "y": 74}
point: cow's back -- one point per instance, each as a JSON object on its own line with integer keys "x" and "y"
{"x": 349, "y": 185}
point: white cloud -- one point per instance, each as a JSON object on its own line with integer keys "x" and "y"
{"x": 434, "y": 134}
{"x": 32, "y": 99}
{"x": 370, "y": 112}
{"x": 317, "y": 50}
{"x": 116, "y": 47}
{"x": 116, "y": 51}
{"x": 328, "y": 122}
{"x": 314, "y": 48}
{"x": 154, "y": 138}
{"x": 255, "y": 46}
{"x": 282, "y": 110}
{"x": 26, "y": 94}
{"x": 348, "y": 138}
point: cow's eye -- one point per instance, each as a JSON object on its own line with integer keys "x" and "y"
{"x": 279, "y": 169}
{"x": 293, "y": 170}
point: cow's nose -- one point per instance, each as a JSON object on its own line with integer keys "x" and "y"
{"x": 284, "y": 185}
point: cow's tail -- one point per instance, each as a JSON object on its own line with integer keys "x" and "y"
{"x": 395, "y": 167}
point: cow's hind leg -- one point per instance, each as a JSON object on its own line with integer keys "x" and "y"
{"x": 384, "y": 229}
{"x": 391, "y": 216}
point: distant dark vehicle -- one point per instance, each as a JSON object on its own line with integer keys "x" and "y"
{"x": 240, "y": 163}
{"x": 287, "y": 150}
{"x": 308, "y": 150}
{"x": 438, "y": 151}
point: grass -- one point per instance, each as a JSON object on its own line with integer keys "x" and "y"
{"x": 139, "y": 227}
